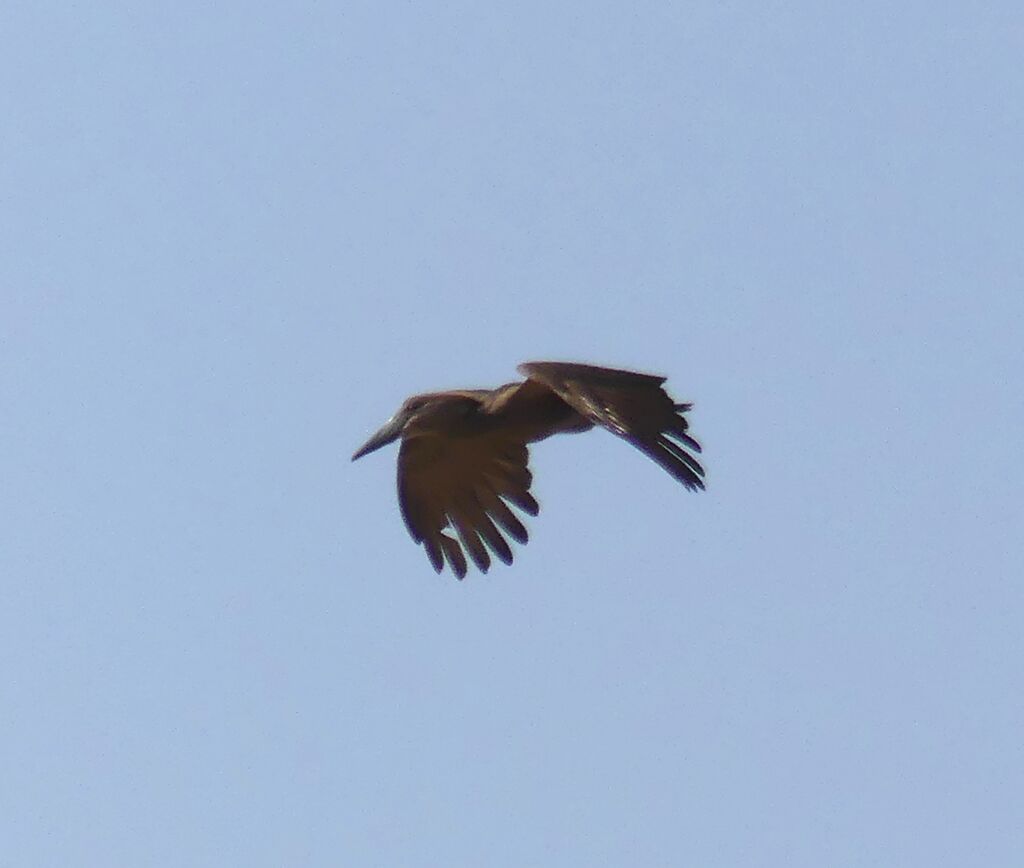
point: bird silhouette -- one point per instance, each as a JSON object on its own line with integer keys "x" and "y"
{"x": 463, "y": 457}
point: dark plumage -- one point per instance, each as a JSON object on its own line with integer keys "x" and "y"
{"x": 463, "y": 457}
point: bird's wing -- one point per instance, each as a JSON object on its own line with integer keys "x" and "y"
{"x": 634, "y": 406}
{"x": 462, "y": 481}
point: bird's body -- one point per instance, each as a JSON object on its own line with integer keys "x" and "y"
{"x": 464, "y": 457}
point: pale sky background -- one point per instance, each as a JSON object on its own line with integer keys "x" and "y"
{"x": 236, "y": 236}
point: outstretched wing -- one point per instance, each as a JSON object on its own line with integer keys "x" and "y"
{"x": 634, "y": 406}
{"x": 463, "y": 481}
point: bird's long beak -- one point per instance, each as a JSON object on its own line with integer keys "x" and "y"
{"x": 388, "y": 434}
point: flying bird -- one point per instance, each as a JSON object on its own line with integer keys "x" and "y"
{"x": 463, "y": 457}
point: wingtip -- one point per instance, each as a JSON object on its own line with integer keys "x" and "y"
{"x": 453, "y": 554}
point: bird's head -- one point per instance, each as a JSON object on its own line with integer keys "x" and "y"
{"x": 393, "y": 428}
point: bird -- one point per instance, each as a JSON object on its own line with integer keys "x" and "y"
{"x": 463, "y": 458}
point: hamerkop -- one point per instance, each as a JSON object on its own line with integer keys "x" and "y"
{"x": 463, "y": 453}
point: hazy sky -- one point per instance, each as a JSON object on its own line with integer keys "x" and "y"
{"x": 234, "y": 239}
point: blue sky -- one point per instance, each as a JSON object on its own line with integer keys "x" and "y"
{"x": 234, "y": 239}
